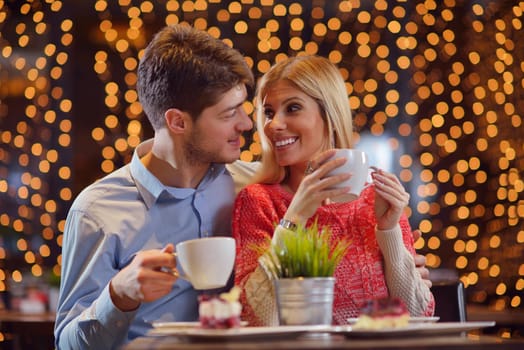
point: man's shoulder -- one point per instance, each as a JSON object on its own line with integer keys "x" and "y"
{"x": 242, "y": 172}
{"x": 242, "y": 167}
{"x": 115, "y": 183}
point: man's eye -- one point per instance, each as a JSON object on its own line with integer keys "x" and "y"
{"x": 231, "y": 114}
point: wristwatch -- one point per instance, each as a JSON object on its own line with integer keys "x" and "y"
{"x": 287, "y": 224}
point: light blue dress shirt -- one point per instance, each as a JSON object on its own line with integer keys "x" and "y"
{"x": 108, "y": 223}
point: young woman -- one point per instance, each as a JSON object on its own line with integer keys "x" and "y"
{"x": 303, "y": 113}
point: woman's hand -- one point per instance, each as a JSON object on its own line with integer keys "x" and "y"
{"x": 316, "y": 187}
{"x": 390, "y": 199}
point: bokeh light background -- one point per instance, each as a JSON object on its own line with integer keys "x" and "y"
{"x": 437, "y": 90}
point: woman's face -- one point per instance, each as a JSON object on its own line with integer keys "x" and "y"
{"x": 294, "y": 124}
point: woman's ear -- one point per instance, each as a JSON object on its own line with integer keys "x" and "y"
{"x": 176, "y": 120}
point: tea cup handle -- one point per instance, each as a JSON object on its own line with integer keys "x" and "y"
{"x": 175, "y": 272}
{"x": 369, "y": 180}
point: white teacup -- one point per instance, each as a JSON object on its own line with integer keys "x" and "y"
{"x": 357, "y": 165}
{"x": 206, "y": 263}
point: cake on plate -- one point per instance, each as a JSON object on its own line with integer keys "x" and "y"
{"x": 383, "y": 313}
{"x": 220, "y": 311}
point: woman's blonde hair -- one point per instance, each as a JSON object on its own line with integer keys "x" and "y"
{"x": 318, "y": 78}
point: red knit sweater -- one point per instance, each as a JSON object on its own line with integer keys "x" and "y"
{"x": 360, "y": 275}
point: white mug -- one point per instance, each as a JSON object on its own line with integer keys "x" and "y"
{"x": 357, "y": 165}
{"x": 206, "y": 263}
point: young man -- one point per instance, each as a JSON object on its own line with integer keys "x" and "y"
{"x": 122, "y": 229}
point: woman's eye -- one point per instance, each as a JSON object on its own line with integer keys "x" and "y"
{"x": 268, "y": 114}
{"x": 294, "y": 108}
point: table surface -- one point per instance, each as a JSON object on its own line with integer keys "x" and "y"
{"x": 502, "y": 317}
{"x": 470, "y": 342}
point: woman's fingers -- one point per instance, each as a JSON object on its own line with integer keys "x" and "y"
{"x": 316, "y": 162}
{"x": 390, "y": 187}
{"x": 324, "y": 163}
{"x": 324, "y": 169}
{"x": 392, "y": 194}
{"x": 391, "y": 198}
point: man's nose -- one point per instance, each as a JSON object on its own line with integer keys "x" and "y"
{"x": 245, "y": 121}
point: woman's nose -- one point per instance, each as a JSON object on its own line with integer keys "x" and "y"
{"x": 277, "y": 123}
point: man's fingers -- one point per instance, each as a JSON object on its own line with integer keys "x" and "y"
{"x": 169, "y": 248}
{"x": 156, "y": 260}
{"x": 420, "y": 260}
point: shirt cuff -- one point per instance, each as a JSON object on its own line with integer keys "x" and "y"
{"x": 108, "y": 314}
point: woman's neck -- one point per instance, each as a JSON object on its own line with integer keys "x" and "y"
{"x": 294, "y": 177}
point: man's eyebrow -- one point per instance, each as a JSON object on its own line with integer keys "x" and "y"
{"x": 230, "y": 108}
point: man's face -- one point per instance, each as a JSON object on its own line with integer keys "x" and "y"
{"x": 215, "y": 136}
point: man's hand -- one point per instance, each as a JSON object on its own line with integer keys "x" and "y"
{"x": 420, "y": 262}
{"x": 144, "y": 279}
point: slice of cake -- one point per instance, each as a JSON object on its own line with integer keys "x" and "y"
{"x": 221, "y": 311}
{"x": 383, "y": 313}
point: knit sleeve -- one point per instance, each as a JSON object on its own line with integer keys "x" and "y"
{"x": 402, "y": 277}
{"x": 254, "y": 220}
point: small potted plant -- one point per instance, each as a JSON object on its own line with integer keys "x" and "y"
{"x": 302, "y": 264}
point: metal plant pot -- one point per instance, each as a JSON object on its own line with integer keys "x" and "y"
{"x": 305, "y": 301}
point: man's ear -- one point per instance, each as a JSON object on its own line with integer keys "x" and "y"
{"x": 176, "y": 120}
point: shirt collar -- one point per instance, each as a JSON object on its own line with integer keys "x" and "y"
{"x": 152, "y": 190}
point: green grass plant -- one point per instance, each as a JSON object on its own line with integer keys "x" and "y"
{"x": 305, "y": 252}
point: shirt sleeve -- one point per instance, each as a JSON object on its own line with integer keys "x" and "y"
{"x": 402, "y": 278}
{"x": 86, "y": 315}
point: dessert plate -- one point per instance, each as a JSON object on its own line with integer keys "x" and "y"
{"x": 175, "y": 325}
{"x": 414, "y": 329}
{"x": 194, "y": 333}
{"x": 354, "y": 320}
{"x": 242, "y": 333}
{"x": 183, "y": 325}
